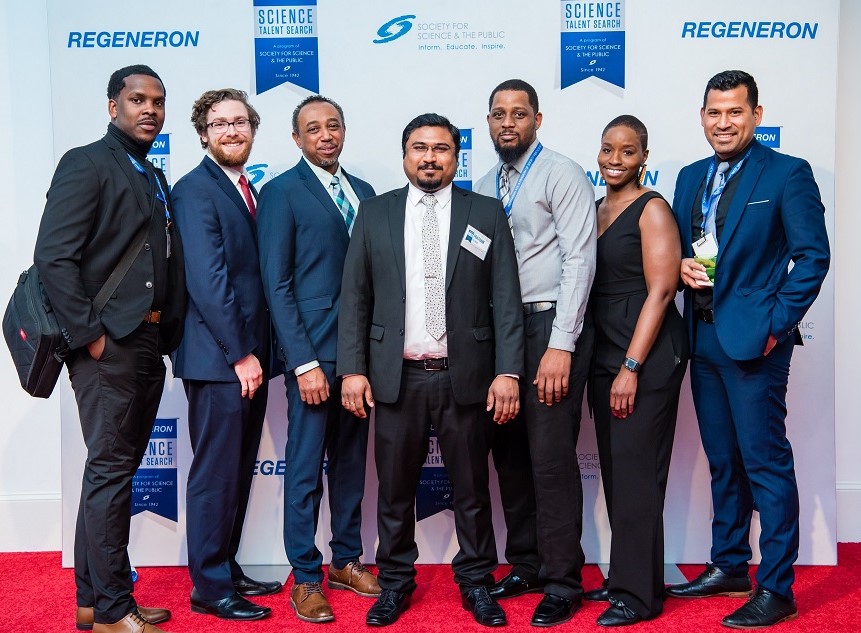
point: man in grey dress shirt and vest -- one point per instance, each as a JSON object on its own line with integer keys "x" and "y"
{"x": 551, "y": 211}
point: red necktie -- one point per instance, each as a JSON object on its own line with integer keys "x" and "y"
{"x": 249, "y": 199}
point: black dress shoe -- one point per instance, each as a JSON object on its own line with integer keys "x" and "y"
{"x": 712, "y": 582}
{"x": 553, "y": 610}
{"x": 597, "y": 595}
{"x": 246, "y": 586}
{"x": 387, "y": 608}
{"x": 485, "y": 609}
{"x": 618, "y": 615}
{"x": 233, "y": 607}
{"x": 763, "y": 609}
{"x": 514, "y": 585}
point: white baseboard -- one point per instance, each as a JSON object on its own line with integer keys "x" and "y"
{"x": 849, "y": 511}
{"x": 30, "y": 522}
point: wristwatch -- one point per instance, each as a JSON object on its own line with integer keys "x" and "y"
{"x": 631, "y": 365}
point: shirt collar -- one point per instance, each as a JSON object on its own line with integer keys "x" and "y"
{"x": 231, "y": 172}
{"x": 443, "y": 196}
{"x": 324, "y": 176}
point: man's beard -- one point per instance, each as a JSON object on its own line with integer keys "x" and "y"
{"x": 230, "y": 160}
{"x": 509, "y": 153}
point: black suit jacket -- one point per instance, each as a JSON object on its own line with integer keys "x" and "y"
{"x": 484, "y": 316}
{"x": 96, "y": 204}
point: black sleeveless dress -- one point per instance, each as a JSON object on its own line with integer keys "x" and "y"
{"x": 635, "y": 452}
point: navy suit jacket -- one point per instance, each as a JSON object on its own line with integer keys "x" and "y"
{"x": 484, "y": 314}
{"x": 303, "y": 243}
{"x": 776, "y": 216}
{"x": 227, "y": 317}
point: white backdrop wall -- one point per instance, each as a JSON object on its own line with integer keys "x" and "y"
{"x": 381, "y": 87}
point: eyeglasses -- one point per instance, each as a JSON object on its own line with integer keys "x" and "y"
{"x": 240, "y": 125}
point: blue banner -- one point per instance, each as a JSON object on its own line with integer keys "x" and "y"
{"x": 434, "y": 493}
{"x": 154, "y": 486}
{"x": 593, "y": 42}
{"x": 768, "y": 136}
{"x": 159, "y": 154}
{"x": 285, "y": 44}
{"x": 463, "y": 175}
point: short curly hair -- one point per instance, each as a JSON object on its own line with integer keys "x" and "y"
{"x": 203, "y": 105}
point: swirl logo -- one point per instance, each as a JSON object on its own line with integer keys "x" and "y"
{"x": 394, "y": 28}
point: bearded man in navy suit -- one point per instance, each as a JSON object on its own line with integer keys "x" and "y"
{"x": 305, "y": 218}
{"x": 758, "y": 210}
{"x": 224, "y": 357}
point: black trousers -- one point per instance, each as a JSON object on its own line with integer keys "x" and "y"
{"x": 535, "y": 456}
{"x": 118, "y": 398}
{"x": 635, "y": 463}
{"x": 401, "y": 437}
{"x": 225, "y": 432}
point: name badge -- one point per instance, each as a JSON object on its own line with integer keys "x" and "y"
{"x": 476, "y": 242}
{"x": 706, "y": 247}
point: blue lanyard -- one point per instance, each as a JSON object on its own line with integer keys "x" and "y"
{"x": 709, "y": 202}
{"x": 160, "y": 195}
{"x": 520, "y": 180}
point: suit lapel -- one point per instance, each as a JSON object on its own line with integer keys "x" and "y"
{"x": 683, "y": 203}
{"x": 459, "y": 216}
{"x": 137, "y": 181}
{"x": 230, "y": 189}
{"x": 316, "y": 189}
{"x": 397, "y": 217}
{"x": 748, "y": 178}
{"x": 359, "y": 191}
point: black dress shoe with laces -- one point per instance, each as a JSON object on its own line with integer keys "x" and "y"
{"x": 246, "y": 586}
{"x": 618, "y": 615}
{"x": 712, "y": 582}
{"x": 763, "y": 609}
{"x": 597, "y": 595}
{"x": 233, "y": 607}
{"x": 553, "y": 610}
{"x": 485, "y": 609}
{"x": 387, "y": 608}
{"x": 513, "y": 585}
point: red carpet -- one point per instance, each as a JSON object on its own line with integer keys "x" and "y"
{"x": 38, "y": 596}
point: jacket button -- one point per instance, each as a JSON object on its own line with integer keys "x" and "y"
{"x": 148, "y": 284}
{"x": 402, "y": 332}
{"x": 147, "y": 246}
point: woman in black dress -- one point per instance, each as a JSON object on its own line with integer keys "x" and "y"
{"x": 641, "y": 353}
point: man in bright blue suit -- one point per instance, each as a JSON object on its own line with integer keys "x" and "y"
{"x": 304, "y": 223}
{"x": 224, "y": 357}
{"x": 758, "y": 210}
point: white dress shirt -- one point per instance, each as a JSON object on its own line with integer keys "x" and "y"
{"x": 418, "y": 343}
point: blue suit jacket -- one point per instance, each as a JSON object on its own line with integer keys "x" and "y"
{"x": 303, "y": 242}
{"x": 776, "y": 216}
{"x": 227, "y": 317}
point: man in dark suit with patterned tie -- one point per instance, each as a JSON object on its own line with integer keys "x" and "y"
{"x": 431, "y": 334}
{"x": 305, "y": 217}
{"x": 224, "y": 356}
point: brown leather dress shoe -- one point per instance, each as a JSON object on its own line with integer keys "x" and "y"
{"x": 84, "y": 617}
{"x": 134, "y": 622}
{"x": 309, "y": 603}
{"x": 355, "y": 577}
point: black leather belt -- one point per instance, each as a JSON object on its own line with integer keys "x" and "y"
{"x": 708, "y": 316}
{"x": 428, "y": 364}
{"x": 152, "y": 316}
{"x": 538, "y": 306}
